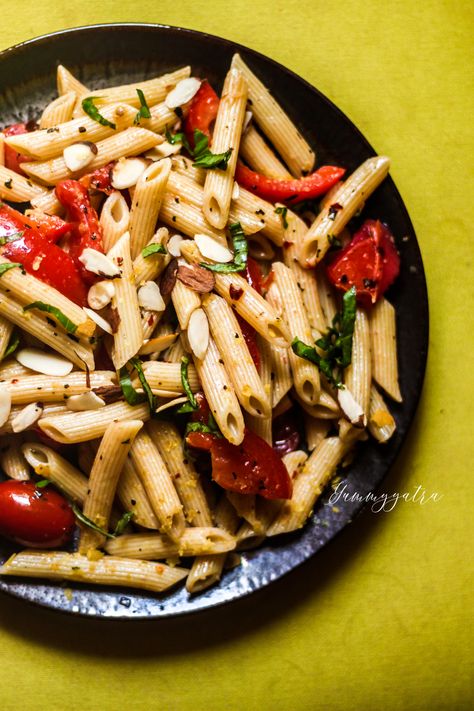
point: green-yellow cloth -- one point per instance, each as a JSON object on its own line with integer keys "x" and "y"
{"x": 382, "y": 618}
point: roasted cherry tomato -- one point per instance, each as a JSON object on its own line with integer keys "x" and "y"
{"x": 200, "y": 440}
{"x": 12, "y": 158}
{"x": 285, "y": 433}
{"x": 202, "y": 112}
{"x": 40, "y": 518}
{"x": 370, "y": 262}
{"x": 100, "y": 179}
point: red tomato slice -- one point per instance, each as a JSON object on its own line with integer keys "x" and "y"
{"x": 100, "y": 179}
{"x": 250, "y": 468}
{"x": 370, "y": 262}
{"x": 40, "y": 518}
{"x": 200, "y": 440}
{"x": 202, "y": 112}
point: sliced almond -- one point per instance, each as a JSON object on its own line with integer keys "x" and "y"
{"x": 101, "y": 322}
{"x": 211, "y": 249}
{"x": 183, "y": 92}
{"x": 235, "y": 191}
{"x": 5, "y": 404}
{"x": 126, "y": 172}
{"x": 174, "y": 245}
{"x": 198, "y": 333}
{"x": 78, "y": 155}
{"x": 27, "y": 417}
{"x": 98, "y": 263}
{"x": 247, "y": 118}
{"x": 84, "y": 401}
{"x": 171, "y": 403}
{"x": 163, "y": 150}
{"x": 100, "y": 294}
{"x": 197, "y": 278}
{"x": 351, "y": 408}
{"x": 168, "y": 280}
{"x": 158, "y": 344}
{"x": 149, "y": 297}
{"x": 43, "y": 362}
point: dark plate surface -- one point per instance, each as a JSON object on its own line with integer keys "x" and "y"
{"x": 111, "y": 54}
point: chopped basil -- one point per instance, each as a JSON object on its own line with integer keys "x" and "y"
{"x": 91, "y": 110}
{"x": 144, "y": 111}
{"x": 174, "y": 138}
{"x": 336, "y": 342}
{"x": 283, "y": 211}
{"x": 13, "y": 344}
{"x": 67, "y": 324}
{"x": 42, "y": 483}
{"x": 240, "y": 253}
{"x": 335, "y": 242}
{"x": 11, "y": 238}
{"x": 192, "y": 402}
{"x": 204, "y": 158}
{"x": 90, "y": 524}
{"x": 154, "y": 248}
{"x": 210, "y": 428}
{"x": 8, "y": 265}
{"x": 132, "y": 396}
{"x": 137, "y": 364}
{"x": 123, "y": 522}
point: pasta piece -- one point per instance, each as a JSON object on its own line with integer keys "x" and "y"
{"x": 185, "y": 301}
{"x": 351, "y": 196}
{"x": 149, "y": 268}
{"x": 357, "y": 376}
{"x": 155, "y": 546}
{"x": 129, "y": 335}
{"x": 245, "y": 507}
{"x": 159, "y": 486}
{"x": 381, "y": 423}
{"x": 260, "y": 157}
{"x": 186, "y": 218}
{"x": 133, "y": 497}
{"x": 384, "y": 348}
{"x": 220, "y": 394}
{"x": 6, "y": 330}
{"x": 167, "y": 376}
{"x": 12, "y": 461}
{"x": 238, "y": 362}
{"x": 2, "y": 149}
{"x": 58, "y": 111}
{"x": 47, "y": 202}
{"x": 186, "y": 480}
{"x": 305, "y": 374}
{"x": 15, "y": 188}
{"x": 130, "y": 142}
{"x": 276, "y": 124}
{"x": 146, "y": 204}
{"x": 315, "y": 430}
{"x": 66, "y": 82}
{"x": 327, "y": 298}
{"x": 226, "y": 137}
{"x": 108, "y": 464}
{"x": 49, "y": 464}
{"x": 108, "y": 570}
{"x": 114, "y": 219}
{"x": 49, "y": 388}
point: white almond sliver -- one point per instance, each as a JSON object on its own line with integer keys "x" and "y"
{"x": 100, "y": 294}
{"x": 171, "y": 403}
{"x": 198, "y": 333}
{"x": 164, "y": 150}
{"x": 78, "y": 155}
{"x": 42, "y": 362}
{"x": 27, "y": 417}
{"x": 213, "y": 250}
{"x": 158, "y": 344}
{"x": 183, "y": 92}
{"x": 149, "y": 297}
{"x": 235, "y": 191}
{"x": 84, "y": 401}
{"x": 351, "y": 408}
{"x": 126, "y": 172}
{"x": 174, "y": 245}
{"x": 247, "y": 118}
{"x": 98, "y": 263}
{"x": 101, "y": 322}
{"x": 5, "y": 404}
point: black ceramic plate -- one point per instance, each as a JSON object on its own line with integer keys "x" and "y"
{"x": 113, "y": 54}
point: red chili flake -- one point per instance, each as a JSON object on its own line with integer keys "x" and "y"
{"x": 287, "y": 244}
{"x": 235, "y": 292}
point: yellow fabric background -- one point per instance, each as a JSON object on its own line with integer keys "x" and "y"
{"x": 382, "y": 618}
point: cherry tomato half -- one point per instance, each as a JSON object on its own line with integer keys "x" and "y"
{"x": 39, "y": 518}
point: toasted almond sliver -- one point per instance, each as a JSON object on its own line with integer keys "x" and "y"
{"x": 84, "y": 401}
{"x": 158, "y": 344}
{"x": 235, "y": 191}
{"x": 182, "y": 92}
{"x": 126, "y": 172}
{"x": 247, "y": 118}
{"x": 149, "y": 297}
{"x": 171, "y": 403}
{"x": 43, "y": 362}
{"x": 351, "y": 408}
{"x": 163, "y": 150}
{"x": 100, "y": 294}
{"x": 198, "y": 333}
{"x": 5, "y": 404}
{"x": 213, "y": 250}
{"x": 101, "y": 322}
{"x": 174, "y": 245}
{"x": 78, "y": 155}
{"x": 98, "y": 263}
{"x": 27, "y": 417}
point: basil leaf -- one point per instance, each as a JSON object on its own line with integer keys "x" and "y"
{"x": 137, "y": 364}
{"x": 123, "y": 522}
{"x": 131, "y": 395}
{"x": 11, "y": 238}
{"x": 283, "y": 211}
{"x": 43, "y": 483}
{"x": 154, "y": 248}
{"x": 91, "y": 110}
{"x": 324, "y": 364}
{"x": 13, "y": 344}
{"x": 144, "y": 111}
{"x": 192, "y": 402}
{"x": 174, "y": 138}
{"x": 67, "y": 324}
{"x": 349, "y": 310}
{"x": 204, "y": 158}
{"x": 240, "y": 253}
{"x": 8, "y": 265}
{"x": 87, "y": 522}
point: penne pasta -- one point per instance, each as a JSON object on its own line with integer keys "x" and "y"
{"x": 383, "y": 340}
{"x": 58, "y": 111}
{"x": 146, "y": 203}
{"x": 260, "y": 157}
{"x": 114, "y": 219}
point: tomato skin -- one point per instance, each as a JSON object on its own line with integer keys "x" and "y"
{"x": 39, "y": 518}
{"x": 250, "y": 468}
{"x": 100, "y": 179}
{"x": 370, "y": 262}
{"x": 202, "y": 112}
{"x": 200, "y": 440}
